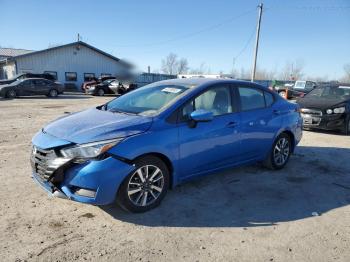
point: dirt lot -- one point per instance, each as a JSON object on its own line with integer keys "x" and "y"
{"x": 245, "y": 214}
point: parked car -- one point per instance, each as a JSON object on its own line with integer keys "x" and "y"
{"x": 300, "y": 89}
{"x": 122, "y": 87}
{"x": 27, "y": 75}
{"x": 327, "y": 107}
{"x": 133, "y": 148}
{"x": 31, "y": 86}
{"x": 281, "y": 87}
{"x": 100, "y": 89}
{"x": 86, "y": 85}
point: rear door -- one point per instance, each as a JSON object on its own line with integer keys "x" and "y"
{"x": 41, "y": 86}
{"x": 25, "y": 88}
{"x": 260, "y": 121}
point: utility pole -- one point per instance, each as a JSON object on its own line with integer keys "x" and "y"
{"x": 257, "y": 41}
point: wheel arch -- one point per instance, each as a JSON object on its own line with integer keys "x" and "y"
{"x": 291, "y": 136}
{"x": 165, "y": 159}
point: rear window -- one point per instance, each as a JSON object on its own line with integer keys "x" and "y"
{"x": 251, "y": 98}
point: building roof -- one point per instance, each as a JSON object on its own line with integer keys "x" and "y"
{"x": 66, "y": 45}
{"x": 11, "y": 52}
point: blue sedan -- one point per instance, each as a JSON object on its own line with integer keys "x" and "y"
{"x": 134, "y": 148}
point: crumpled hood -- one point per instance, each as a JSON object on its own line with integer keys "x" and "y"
{"x": 319, "y": 102}
{"x": 95, "y": 125}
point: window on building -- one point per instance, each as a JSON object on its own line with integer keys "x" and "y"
{"x": 105, "y": 74}
{"x": 89, "y": 77}
{"x": 71, "y": 76}
{"x": 251, "y": 98}
{"x": 53, "y": 73}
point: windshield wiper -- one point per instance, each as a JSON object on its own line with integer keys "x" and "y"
{"x": 122, "y": 112}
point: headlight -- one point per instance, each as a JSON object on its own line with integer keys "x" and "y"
{"x": 339, "y": 110}
{"x": 90, "y": 150}
{"x": 329, "y": 111}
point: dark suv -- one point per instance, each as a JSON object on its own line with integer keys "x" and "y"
{"x": 27, "y": 75}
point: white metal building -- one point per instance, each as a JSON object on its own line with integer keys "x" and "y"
{"x": 71, "y": 64}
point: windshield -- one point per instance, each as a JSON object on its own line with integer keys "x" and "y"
{"x": 147, "y": 100}
{"x": 331, "y": 92}
{"x": 106, "y": 82}
{"x": 300, "y": 84}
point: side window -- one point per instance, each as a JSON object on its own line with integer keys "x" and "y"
{"x": 251, "y": 98}
{"x": 39, "y": 82}
{"x": 186, "y": 111}
{"x": 216, "y": 100}
{"x": 27, "y": 83}
{"x": 268, "y": 99}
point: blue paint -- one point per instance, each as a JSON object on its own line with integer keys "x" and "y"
{"x": 213, "y": 143}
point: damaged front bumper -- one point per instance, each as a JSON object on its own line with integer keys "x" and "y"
{"x": 94, "y": 181}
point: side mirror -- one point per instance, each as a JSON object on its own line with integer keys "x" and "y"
{"x": 201, "y": 115}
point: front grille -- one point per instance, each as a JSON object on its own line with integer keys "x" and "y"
{"x": 311, "y": 112}
{"x": 46, "y": 162}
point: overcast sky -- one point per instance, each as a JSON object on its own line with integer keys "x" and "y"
{"x": 314, "y": 32}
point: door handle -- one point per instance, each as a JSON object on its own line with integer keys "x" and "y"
{"x": 276, "y": 112}
{"x": 232, "y": 124}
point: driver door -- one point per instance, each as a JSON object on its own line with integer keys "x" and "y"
{"x": 209, "y": 145}
{"x": 25, "y": 88}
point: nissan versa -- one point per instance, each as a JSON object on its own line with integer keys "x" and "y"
{"x": 135, "y": 147}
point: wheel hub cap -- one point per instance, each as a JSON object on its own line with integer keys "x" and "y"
{"x": 281, "y": 151}
{"x": 145, "y": 185}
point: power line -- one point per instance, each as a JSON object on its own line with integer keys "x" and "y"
{"x": 189, "y": 35}
{"x": 246, "y": 45}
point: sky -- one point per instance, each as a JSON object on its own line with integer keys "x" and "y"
{"x": 218, "y": 34}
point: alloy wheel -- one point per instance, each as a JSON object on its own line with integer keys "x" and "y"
{"x": 281, "y": 151}
{"x": 11, "y": 94}
{"x": 145, "y": 185}
{"x": 53, "y": 93}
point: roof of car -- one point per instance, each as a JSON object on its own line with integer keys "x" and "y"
{"x": 193, "y": 82}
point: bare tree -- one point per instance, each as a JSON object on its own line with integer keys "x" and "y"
{"x": 262, "y": 74}
{"x": 182, "y": 67}
{"x": 292, "y": 70}
{"x": 169, "y": 64}
{"x": 347, "y": 72}
{"x": 172, "y": 65}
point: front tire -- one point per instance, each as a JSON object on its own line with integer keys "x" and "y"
{"x": 11, "y": 94}
{"x": 280, "y": 152}
{"x": 145, "y": 187}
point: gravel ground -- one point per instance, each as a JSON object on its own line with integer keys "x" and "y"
{"x": 300, "y": 213}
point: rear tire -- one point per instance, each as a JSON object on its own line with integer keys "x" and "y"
{"x": 53, "y": 93}
{"x": 280, "y": 152}
{"x": 11, "y": 94}
{"x": 145, "y": 187}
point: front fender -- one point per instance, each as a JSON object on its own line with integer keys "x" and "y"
{"x": 164, "y": 141}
